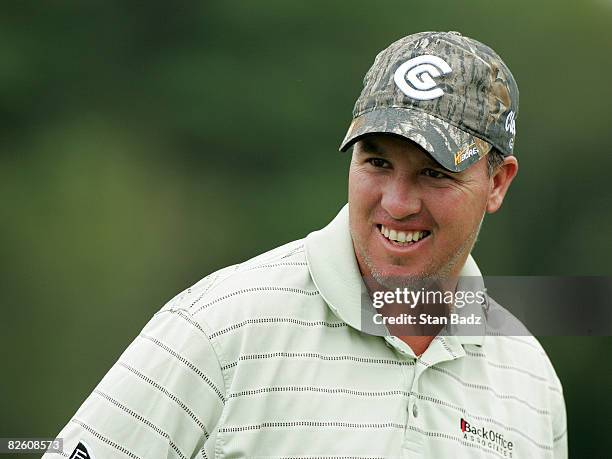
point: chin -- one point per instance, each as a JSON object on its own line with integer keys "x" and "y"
{"x": 393, "y": 276}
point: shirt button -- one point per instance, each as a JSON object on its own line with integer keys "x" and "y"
{"x": 415, "y": 411}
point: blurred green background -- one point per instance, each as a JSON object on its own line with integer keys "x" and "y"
{"x": 146, "y": 144}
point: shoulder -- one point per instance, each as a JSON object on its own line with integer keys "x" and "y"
{"x": 263, "y": 286}
{"x": 248, "y": 308}
{"x": 510, "y": 345}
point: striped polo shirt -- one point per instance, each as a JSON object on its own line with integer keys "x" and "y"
{"x": 267, "y": 359}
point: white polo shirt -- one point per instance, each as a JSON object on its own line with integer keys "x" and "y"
{"x": 267, "y": 359}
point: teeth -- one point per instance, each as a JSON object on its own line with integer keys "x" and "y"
{"x": 401, "y": 236}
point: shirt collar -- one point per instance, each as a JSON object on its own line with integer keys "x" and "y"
{"x": 334, "y": 270}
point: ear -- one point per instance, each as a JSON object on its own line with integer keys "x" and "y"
{"x": 500, "y": 182}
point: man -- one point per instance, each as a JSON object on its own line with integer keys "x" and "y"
{"x": 281, "y": 356}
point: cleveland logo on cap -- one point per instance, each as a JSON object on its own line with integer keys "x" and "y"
{"x": 415, "y": 77}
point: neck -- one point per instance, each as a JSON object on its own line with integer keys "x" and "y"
{"x": 426, "y": 317}
{"x": 418, "y": 344}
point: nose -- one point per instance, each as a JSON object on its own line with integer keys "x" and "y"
{"x": 401, "y": 197}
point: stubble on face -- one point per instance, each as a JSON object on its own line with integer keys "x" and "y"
{"x": 429, "y": 276}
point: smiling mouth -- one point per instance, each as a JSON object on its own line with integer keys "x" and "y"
{"x": 402, "y": 238}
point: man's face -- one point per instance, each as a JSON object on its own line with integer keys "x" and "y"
{"x": 397, "y": 192}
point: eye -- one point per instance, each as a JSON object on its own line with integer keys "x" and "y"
{"x": 434, "y": 174}
{"x": 378, "y": 162}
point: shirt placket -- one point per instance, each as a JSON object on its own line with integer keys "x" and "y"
{"x": 416, "y": 429}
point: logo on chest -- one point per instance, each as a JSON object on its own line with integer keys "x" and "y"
{"x": 486, "y": 438}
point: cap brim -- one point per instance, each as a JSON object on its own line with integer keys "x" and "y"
{"x": 454, "y": 149}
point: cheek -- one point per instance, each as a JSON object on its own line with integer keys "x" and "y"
{"x": 458, "y": 210}
{"x": 363, "y": 203}
{"x": 363, "y": 192}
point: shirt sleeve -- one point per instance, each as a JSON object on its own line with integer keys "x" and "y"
{"x": 161, "y": 399}
{"x": 559, "y": 425}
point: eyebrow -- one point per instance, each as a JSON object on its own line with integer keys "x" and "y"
{"x": 431, "y": 161}
{"x": 369, "y": 145}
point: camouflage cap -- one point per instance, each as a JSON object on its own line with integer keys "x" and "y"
{"x": 450, "y": 94}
